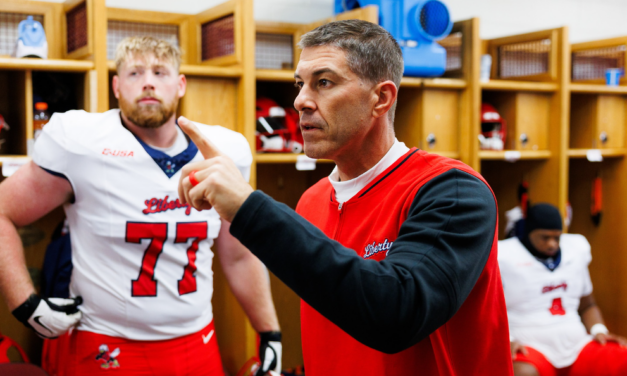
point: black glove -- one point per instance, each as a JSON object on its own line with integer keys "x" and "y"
{"x": 269, "y": 353}
{"x": 49, "y": 317}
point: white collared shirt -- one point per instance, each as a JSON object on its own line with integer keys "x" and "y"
{"x": 345, "y": 190}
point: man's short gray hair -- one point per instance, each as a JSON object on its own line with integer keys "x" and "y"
{"x": 371, "y": 51}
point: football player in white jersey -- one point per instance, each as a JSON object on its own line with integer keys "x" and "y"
{"x": 555, "y": 326}
{"x": 142, "y": 282}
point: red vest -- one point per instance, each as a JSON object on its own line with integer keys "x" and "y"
{"x": 475, "y": 341}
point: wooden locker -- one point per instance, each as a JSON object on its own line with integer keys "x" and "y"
{"x": 440, "y": 120}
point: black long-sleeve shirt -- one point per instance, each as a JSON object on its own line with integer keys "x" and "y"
{"x": 431, "y": 268}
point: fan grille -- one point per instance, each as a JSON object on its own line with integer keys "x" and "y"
{"x": 434, "y": 18}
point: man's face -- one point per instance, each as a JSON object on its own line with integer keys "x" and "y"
{"x": 148, "y": 90}
{"x": 546, "y": 242}
{"x": 335, "y": 105}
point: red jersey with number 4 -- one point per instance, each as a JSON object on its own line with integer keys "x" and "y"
{"x": 142, "y": 260}
{"x": 474, "y": 341}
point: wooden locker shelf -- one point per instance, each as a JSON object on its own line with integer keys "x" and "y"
{"x": 519, "y": 86}
{"x": 12, "y": 156}
{"x": 597, "y": 89}
{"x": 606, "y": 153}
{"x": 279, "y": 75}
{"x": 496, "y": 155}
{"x": 283, "y": 158}
{"x": 212, "y": 71}
{"x": 443, "y": 83}
{"x": 53, "y": 65}
{"x": 199, "y": 70}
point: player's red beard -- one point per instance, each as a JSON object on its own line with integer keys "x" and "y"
{"x": 151, "y": 115}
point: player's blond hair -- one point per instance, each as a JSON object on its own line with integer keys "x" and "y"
{"x": 139, "y": 46}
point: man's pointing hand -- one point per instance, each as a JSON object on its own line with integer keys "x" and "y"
{"x": 219, "y": 183}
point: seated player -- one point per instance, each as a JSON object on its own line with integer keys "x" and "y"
{"x": 555, "y": 326}
{"x": 141, "y": 259}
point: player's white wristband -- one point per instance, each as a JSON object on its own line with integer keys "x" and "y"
{"x": 598, "y": 329}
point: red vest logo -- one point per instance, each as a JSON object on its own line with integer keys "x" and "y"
{"x": 375, "y": 248}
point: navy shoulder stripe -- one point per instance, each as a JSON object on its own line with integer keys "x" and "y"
{"x": 389, "y": 173}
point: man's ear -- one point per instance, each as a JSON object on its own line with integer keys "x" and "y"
{"x": 386, "y": 93}
{"x": 182, "y": 85}
{"x": 115, "y": 86}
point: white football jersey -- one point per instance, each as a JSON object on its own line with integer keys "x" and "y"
{"x": 142, "y": 261}
{"x": 542, "y": 304}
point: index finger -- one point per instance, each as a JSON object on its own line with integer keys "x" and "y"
{"x": 206, "y": 147}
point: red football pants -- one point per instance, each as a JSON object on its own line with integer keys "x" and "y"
{"x": 86, "y": 353}
{"x": 595, "y": 359}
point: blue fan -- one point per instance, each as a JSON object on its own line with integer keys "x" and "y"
{"x": 31, "y": 40}
{"x": 416, "y": 25}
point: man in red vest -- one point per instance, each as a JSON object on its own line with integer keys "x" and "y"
{"x": 395, "y": 253}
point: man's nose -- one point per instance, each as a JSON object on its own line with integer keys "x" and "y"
{"x": 149, "y": 81}
{"x": 304, "y": 100}
{"x": 554, "y": 244}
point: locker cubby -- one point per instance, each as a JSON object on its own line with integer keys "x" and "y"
{"x": 590, "y": 60}
{"x": 607, "y": 238}
{"x": 13, "y": 108}
{"x": 597, "y": 121}
{"x": 527, "y": 115}
{"x": 597, "y": 113}
{"x": 211, "y": 100}
{"x": 283, "y": 93}
{"x": 529, "y": 57}
{"x": 429, "y": 119}
{"x": 63, "y": 91}
{"x": 285, "y": 184}
{"x": 504, "y": 178}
